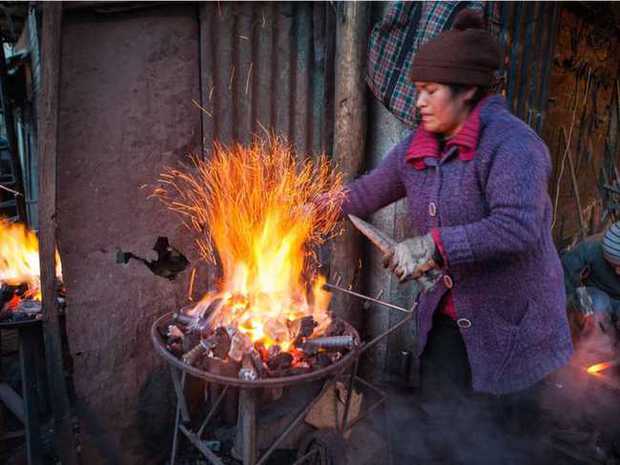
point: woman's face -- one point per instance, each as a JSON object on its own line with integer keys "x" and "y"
{"x": 442, "y": 112}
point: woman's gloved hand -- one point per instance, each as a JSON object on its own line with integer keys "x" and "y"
{"x": 412, "y": 257}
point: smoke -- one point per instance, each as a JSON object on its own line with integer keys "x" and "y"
{"x": 467, "y": 429}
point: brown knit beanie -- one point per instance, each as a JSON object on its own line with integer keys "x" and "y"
{"x": 467, "y": 54}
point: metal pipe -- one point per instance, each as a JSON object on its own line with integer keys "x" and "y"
{"x": 328, "y": 287}
{"x": 331, "y": 342}
{"x": 199, "y": 444}
{"x": 213, "y": 410}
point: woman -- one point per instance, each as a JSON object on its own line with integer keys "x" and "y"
{"x": 475, "y": 178}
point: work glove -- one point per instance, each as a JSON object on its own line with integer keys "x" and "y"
{"x": 584, "y": 300}
{"x": 412, "y": 258}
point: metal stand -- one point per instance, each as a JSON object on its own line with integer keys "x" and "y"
{"x": 248, "y": 396}
{"x": 26, "y": 408}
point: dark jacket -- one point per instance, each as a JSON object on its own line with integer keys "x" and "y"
{"x": 585, "y": 265}
{"x": 494, "y": 217}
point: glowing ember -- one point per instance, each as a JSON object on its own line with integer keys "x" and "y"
{"x": 19, "y": 259}
{"x": 598, "y": 367}
{"x": 257, "y": 205}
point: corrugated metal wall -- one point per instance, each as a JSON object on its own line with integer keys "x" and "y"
{"x": 268, "y": 66}
{"x": 527, "y": 33}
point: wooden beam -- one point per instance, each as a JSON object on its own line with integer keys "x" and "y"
{"x": 48, "y": 140}
{"x": 349, "y": 139}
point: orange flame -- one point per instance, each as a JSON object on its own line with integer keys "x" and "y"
{"x": 19, "y": 258}
{"x": 257, "y": 204}
{"x": 598, "y": 367}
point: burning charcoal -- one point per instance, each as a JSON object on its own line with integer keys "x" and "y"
{"x": 320, "y": 360}
{"x": 220, "y": 341}
{"x": 190, "y": 341}
{"x": 247, "y": 371}
{"x": 273, "y": 352}
{"x": 174, "y": 332}
{"x": 336, "y": 328}
{"x": 239, "y": 345}
{"x": 302, "y": 328}
{"x": 6, "y": 294}
{"x": 193, "y": 324}
{"x": 197, "y": 352}
{"x": 262, "y": 350}
{"x": 330, "y": 343}
{"x": 259, "y": 365}
{"x": 282, "y": 361}
{"x": 176, "y": 348}
{"x": 296, "y": 371}
{"x": 309, "y": 349}
{"x": 276, "y": 330}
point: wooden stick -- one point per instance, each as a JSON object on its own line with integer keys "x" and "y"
{"x": 573, "y": 175}
{"x": 349, "y": 134}
{"x": 48, "y": 138}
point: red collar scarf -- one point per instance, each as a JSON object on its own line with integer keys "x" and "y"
{"x": 425, "y": 144}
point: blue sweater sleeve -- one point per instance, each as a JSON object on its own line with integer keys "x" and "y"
{"x": 379, "y": 188}
{"x": 516, "y": 194}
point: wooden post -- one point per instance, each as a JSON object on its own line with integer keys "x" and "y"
{"x": 349, "y": 139}
{"x": 48, "y": 138}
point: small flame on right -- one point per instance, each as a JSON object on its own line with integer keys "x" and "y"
{"x": 598, "y": 367}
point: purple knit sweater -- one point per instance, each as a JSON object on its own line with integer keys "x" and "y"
{"x": 494, "y": 217}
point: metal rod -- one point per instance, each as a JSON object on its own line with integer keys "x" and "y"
{"x": 213, "y": 410}
{"x": 305, "y": 457}
{"x": 293, "y": 424}
{"x": 179, "y": 384}
{"x": 389, "y": 331}
{"x": 370, "y": 386}
{"x": 364, "y": 415}
{"x": 347, "y": 404}
{"x": 175, "y": 435}
{"x": 198, "y": 443}
{"x": 332, "y": 287}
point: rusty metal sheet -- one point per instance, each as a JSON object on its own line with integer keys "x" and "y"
{"x": 266, "y": 67}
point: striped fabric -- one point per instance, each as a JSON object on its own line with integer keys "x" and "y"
{"x": 394, "y": 41}
{"x": 611, "y": 244}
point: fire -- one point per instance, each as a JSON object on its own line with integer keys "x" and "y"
{"x": 598, "y": 367}
{"x": 19, "y": 258}
{"x": 259, "y": 207}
